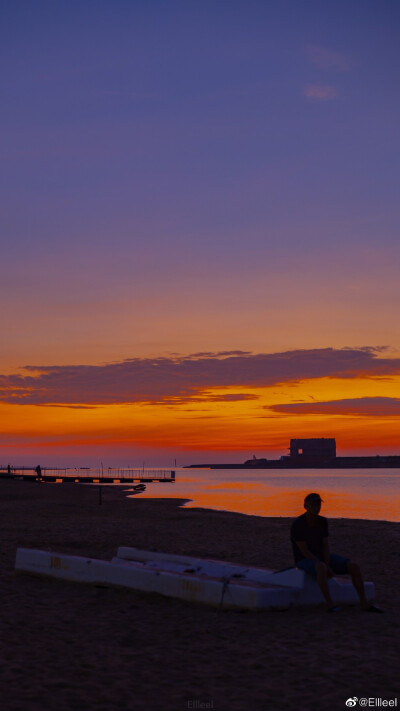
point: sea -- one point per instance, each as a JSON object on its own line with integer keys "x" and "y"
{"x": 372, "y": 494}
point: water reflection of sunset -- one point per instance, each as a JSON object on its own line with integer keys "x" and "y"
{"x": 346, "y": 494}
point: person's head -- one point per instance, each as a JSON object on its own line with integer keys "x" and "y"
{"x": 312, "y": 503}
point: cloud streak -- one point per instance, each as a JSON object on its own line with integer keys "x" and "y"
{"x": 320, "y": 92}
{"x": 363, "y": 406}
{"x": 185, "y": 378}
{"x": 327, "y": 58}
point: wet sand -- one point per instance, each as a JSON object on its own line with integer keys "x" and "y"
{"x": 74, "y": 647}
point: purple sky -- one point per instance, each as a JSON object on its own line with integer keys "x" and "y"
{"x": 175, "y": 131}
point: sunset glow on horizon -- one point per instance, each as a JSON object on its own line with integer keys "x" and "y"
{"x": 124, "y": 409}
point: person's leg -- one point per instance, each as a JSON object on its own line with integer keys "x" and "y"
{"x": 358, "y": 582}
{"x": 318, "y": 570}
{"x": 322, "y": 580}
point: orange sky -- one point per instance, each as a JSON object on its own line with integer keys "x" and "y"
{"x": 71, "y": 312}
{"x": 203, "y": 429}
{"x": 53, "y": 319}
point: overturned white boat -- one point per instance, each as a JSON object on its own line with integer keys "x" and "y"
{"x": 212, "y": 582}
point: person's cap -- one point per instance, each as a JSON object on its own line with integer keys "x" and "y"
{"x": 312, "y": 497}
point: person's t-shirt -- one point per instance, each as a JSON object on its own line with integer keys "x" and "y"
{"x": 312, "y": 535}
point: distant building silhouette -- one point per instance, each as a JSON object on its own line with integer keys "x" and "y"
{"x": 320, "y": 449}
{"x": 314, "y": 453}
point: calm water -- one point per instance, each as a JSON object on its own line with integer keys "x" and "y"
{"x": 347, "y": 493}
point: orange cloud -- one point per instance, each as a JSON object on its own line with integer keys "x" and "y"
{"x": 320, "y": 92}
{"x": 327, "y": 58}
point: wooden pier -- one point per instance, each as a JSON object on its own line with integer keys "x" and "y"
{"x": 86, "y": 475}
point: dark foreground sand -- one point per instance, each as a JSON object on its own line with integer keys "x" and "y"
{"x": 76, "y": 647}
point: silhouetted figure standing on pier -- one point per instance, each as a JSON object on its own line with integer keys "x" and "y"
{"x": 38, "y": 471}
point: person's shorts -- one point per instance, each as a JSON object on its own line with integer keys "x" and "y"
{"x": 337, "y": 563}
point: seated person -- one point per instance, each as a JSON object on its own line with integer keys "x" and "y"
{"x": 309, "y": 536}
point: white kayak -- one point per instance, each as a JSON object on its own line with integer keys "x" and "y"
{"x": 211, "y": 582}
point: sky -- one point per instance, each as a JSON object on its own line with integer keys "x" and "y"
{"x": 199, "y": 229}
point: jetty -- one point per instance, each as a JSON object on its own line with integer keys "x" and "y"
{"x": 87, "y": 475}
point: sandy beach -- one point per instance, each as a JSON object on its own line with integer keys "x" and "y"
{"x": 68, "y": 646}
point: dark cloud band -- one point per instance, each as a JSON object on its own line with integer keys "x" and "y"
{"x": 187, "y": 377}
{"x": 363, "y": 406}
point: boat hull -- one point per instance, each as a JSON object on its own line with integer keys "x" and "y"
{"x": 213, "y": 582}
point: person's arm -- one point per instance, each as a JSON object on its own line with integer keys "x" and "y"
{"x": 304, "y": 550}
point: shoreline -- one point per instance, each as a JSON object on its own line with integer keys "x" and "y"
{"x": 76, "y": 646}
